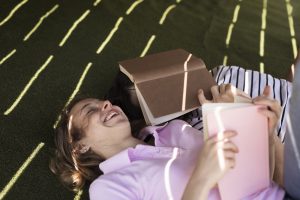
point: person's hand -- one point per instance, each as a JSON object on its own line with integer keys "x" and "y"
{"x": 271, "y": 109}
{"x": 224, "y": 93}
{"x": 216, "y": 157}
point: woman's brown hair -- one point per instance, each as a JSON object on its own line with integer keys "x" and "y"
{"x": 73, "y": 167}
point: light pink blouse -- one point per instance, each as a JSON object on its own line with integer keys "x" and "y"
{"x": 161, "y": 171}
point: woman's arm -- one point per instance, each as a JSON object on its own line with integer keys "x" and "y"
{"x": 272, "y": 111}
{"x": 215, "y": 158}
{"x": 227, "y": 93}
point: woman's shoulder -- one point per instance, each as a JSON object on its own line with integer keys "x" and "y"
{"x": 112, "y": 186}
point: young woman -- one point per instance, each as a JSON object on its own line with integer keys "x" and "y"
{"x": 94, "y": 132}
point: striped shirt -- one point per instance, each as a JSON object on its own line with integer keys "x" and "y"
{"x": 253, "y": 83}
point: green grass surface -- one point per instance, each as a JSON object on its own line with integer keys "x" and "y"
{"x": 199, "y": 26}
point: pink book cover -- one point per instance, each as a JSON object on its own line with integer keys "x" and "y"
{"x": 251, "y": 172}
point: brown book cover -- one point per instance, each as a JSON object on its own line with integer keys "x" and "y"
{"x": 167, "y": 83}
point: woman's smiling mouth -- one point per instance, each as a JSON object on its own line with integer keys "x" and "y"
{"x": 110, "y": 115}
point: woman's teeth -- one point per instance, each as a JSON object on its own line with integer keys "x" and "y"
{"x": 110, "y": 115}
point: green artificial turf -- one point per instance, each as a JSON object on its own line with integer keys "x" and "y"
{"x": 199, "y": 26}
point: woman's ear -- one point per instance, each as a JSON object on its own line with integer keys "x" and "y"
{"x": 81, "y": 148}
{"x": 84, "y": 149}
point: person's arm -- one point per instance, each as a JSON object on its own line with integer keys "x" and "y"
{"x": 196, "y": 189}
{"x": 272, "y": 111}
{"x": 209, "y": 168}
{"x": 227, "y": 93}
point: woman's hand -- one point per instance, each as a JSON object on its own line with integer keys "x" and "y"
{"x": 216, "y": 157}
{"x": 272, "y": 109}
{"x": 224, "y": 93}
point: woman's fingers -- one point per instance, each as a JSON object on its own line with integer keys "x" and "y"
{"x": 273, "y": 118}
{"x": 267, "y": 91}
{"x": 230, "y": 146}
{"x": 226, "y": 135}
{"x": 229, "y": 154}
{"x": 221, "y": 149}
{"x": 225, "y": 88}
{"x": 221, "y": 93}
{"x": 228, "y": 88}
{"x": 229, "y": 157}
{"x": 272, "y": 109}
{"x": 230, "y": 163}
{"x": 222, "y": 88}
{"x": 273, "y": 105}
{"x": 215, "y": 92}
{"x": 221, "y": 137}
{"x": 202, "y": 98}
{"x": 268, "y": 113}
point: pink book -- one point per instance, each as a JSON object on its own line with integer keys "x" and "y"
{"x": 251, "y": 172}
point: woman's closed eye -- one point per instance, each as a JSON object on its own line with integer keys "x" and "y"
{"x": 91, "y": 110}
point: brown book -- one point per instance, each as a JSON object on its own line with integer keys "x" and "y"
{"x": 167, "y": 83}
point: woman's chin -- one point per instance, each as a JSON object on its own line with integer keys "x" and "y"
{"x": 118, "y": 121}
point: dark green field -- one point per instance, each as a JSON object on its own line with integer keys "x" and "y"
{"x": 199, "y": 26}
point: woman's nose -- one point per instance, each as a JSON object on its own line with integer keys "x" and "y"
{"x": 106, "y": 105}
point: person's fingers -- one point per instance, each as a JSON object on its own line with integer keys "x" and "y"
{"x": 229, "y": 154}
{"x": 273, "y": 105}
{"x": 242, "y": 93}
{"x": 201, "y": 97}
{"x": 227, "y": 163}
{"x": 230, "y": 163}
{"x": 229, "y": 134}
{"x": 263, "y": 100}
{"x": 273, "y": 119}
{"x": 230, "y": 146}
{"x": 262, "y": 97}
{"x": 228, "y": 88}
{"x": 268, "y": 113}
{"x": 222, "y": 88}
{"x": 224, "y": 136}
{"x": 215, "y": 92}
{"x": 219, "y": 138}
{"x": 267, "y": 91}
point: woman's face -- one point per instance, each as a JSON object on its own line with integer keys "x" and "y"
{"x": 102, "y": 123}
